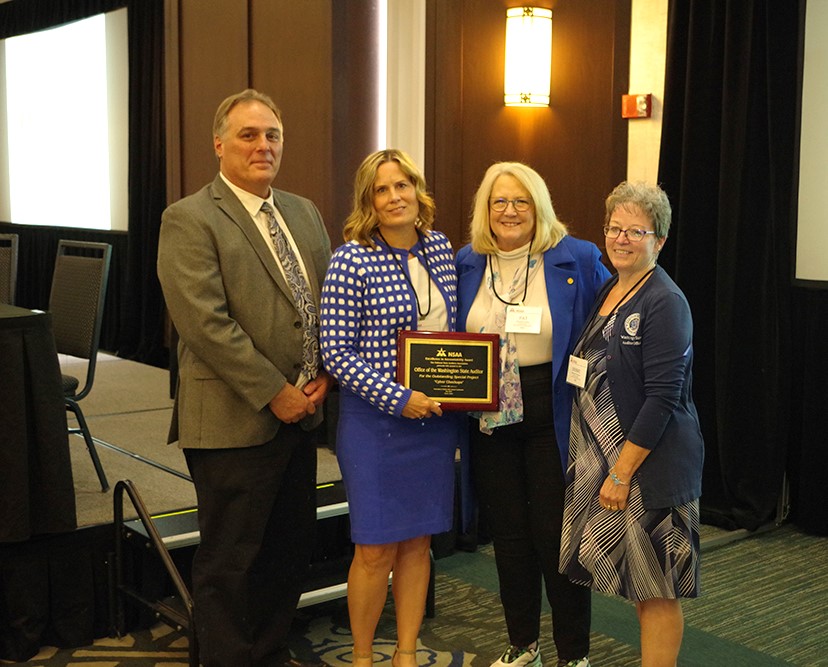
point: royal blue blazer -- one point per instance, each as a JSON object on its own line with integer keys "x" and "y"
{"x": 574, "y": 273}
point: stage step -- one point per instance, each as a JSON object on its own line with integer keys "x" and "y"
{"x": 179, "y": 529}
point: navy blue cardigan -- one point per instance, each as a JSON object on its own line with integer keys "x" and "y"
{"x": 573, "y": 274}
{"x": 650, "y": 374}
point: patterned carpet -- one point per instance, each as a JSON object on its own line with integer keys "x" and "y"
{"x": 764, "y": 604}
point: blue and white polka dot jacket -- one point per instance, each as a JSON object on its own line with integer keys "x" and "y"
{"x": 366, "y": 301}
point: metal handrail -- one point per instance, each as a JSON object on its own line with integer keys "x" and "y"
{"x": 157, "y": 542}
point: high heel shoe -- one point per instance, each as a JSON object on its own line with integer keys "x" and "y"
{"x": 398, "y": 650}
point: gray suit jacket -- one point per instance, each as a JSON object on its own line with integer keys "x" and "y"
{"x": 240, "y": 332}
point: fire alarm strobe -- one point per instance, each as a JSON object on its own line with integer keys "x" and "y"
{"x": 636, "y": 106}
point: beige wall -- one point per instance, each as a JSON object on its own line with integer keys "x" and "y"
{"x": 648, "y": 50}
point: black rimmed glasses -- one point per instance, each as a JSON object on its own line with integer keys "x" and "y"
{"x": 633, "y": 234}
{"x": 500, "y": 205}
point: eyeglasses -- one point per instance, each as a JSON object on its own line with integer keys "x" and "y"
{"x": 500, "y": 205}
{"x": 633, "y": 233}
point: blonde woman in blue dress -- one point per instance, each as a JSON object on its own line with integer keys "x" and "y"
{"x": 395, "y": 446}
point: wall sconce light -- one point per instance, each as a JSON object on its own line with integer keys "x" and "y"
{"x": 528, "y": 57}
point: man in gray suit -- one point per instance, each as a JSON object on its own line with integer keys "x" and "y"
{"x": 241, "y": 265}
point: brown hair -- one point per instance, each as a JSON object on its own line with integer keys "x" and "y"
{"x": 248, "y": 95}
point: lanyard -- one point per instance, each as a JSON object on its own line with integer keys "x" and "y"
{"x": 405, "y": 275}
{"x": 614, "y": 310}
{"x": 525, "y": 280}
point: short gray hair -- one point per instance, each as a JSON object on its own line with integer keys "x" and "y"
{"x": 651, "y": 200}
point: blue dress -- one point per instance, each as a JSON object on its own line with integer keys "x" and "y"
{"x": 398, "y": 472}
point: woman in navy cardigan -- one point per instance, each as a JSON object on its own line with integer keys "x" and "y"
{"x": 523, "y": 277}
{"x": 631, "y": 518}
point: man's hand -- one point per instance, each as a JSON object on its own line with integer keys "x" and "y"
{"x": 318, "y": 388}
{"x": 291, "y": 404}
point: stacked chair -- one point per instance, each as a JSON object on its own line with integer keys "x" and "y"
{"x": 76, "y": 303}
{"x": 8, "y": 267}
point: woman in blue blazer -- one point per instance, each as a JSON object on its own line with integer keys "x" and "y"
{"x": 631, "y": 518}
{"x": 523, "y": 277}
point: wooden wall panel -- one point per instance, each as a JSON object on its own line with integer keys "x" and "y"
{"x": 444, "y": 166}
{"x": 213, "y": 63}
{"x": 316, "y": 58}
{"x": 577, "y": 143}
{"x": 355, "y": 91}
{"x": 291, "y": 60}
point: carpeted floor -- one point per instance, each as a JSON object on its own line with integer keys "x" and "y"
{"x": 764, "y": 602}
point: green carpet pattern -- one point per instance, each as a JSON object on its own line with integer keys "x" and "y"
{"x": 764, "y": 604}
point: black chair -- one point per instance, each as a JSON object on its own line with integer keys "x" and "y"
{"x": 76, "y": 303}
{"x": 8, "y": 267}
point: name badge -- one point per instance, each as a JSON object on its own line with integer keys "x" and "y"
{"x": 523, "y": 319}
{"x": 577, "y": 371}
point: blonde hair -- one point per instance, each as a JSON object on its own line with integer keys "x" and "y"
{"x": 548, "y": 229}
{"x": 363, "y": 220}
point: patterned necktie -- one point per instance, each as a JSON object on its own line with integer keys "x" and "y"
{"x": 301, "y": 295}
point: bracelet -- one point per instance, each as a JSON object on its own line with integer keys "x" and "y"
{"x": 616, "y": 479}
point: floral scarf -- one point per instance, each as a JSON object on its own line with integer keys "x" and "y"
{"x": 511, "y": 400}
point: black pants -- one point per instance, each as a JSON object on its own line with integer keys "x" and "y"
{"x": 519, "y": 482}
{"x": 256, "y": 514}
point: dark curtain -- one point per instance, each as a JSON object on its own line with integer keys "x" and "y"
{"x": 19, "y": 18}
{"x": 728, "y": 162}
{"x": 142, "y": 319}
{"x": 133, "y": 315}
{"x": 59, "y": 597}
{"x": 809, "y": 436}
{"x": 55, "y": 592}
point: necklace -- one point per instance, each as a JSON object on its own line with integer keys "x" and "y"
{"x": 405, "y": 275}
{"x": 525, "y": 280}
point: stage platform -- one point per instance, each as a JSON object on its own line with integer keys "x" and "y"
{"x": 129, "y": 409}
{"x": 56, "y": 587}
